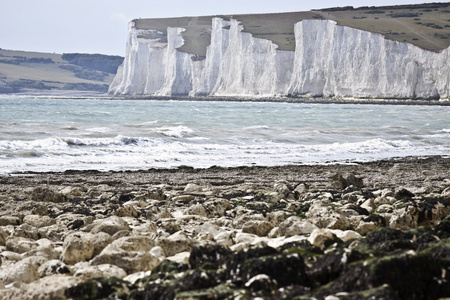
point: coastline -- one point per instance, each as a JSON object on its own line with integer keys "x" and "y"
{"x": 277, "y": 99}
{"x": 65, "y": 234}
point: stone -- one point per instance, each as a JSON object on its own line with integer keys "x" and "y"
{"x": 38, "y": 221}
{"x": 45, "y": 194}
{"x": 20, "y": 244}
{"x": 340, "y": 182}
{"x": 25, "y": 270}
{"x": 105, "y": 270}
{"x": 175, "y": 243}
{"x": 260, "y": 228}
{"x": 346, "y": 235}
{"x": 261, "y": 282}
{"x": 77, "y": 247}
{"x": 130, "y": 261}
{"x": 27, "y": 231}
{"x": 53, "y": 267}
{"x": 193, "y": 188}
{"x": 295, "y": 226}
{"x": 46, "y": 288}
{"x": 10, "y": 220}
{"x": 3, "y": 236}
{"x": 321, "y": 238}
{"x": 109, "y": 225}
{"x": 126, "y": 211}
{"x": 183, "y": 198}
{"x": 324, "y": 217}
{"x": 73, "y": 191}
{"x": 196, "y": 209}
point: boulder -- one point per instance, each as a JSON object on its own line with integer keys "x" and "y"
{"x": 260, "y": 228}
{"x": 53, "y": 267}
{"x": 175, "y": 243}
{"x": 322, "y": 216}
{"x": 45, "y": 194}
{"x": 25, "y": 270}
{"x": 109, "y": 225}
{"x": 20, "y": 244}
{"x": 105, "y": 270}
{"x": 322, "y": 238}
{"x": 77, "y": 247}
{"x": 295, "y": 226}
{"x": 38, "y": 221}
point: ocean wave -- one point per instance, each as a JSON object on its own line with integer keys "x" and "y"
{"x": 176, "y": 131}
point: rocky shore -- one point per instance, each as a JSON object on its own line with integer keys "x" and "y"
{"x": 378, "y": 230}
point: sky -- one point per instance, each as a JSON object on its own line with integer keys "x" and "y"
{"x": 101, "y": 26}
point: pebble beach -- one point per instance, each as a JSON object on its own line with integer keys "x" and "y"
{"x": 376, "y": 230}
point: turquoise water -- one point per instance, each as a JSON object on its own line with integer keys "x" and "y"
{"x": 60, "y": 134}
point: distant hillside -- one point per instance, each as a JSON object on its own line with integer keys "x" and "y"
{"x": 45, "y": 71}
{"x": 424, "y": 25}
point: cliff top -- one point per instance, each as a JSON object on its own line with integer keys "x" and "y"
{"x": 424, "y": 25}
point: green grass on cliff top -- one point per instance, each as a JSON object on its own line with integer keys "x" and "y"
{"x": 424, "y": 25}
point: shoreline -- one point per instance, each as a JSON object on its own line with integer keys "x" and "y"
{"x": 191, "y": 233}
{"x": 273, "y": 99}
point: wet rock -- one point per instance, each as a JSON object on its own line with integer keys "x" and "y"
{"x": 403, "y": 194}
{"x": 98, "y": 288}
{"x": 262, "y": 283}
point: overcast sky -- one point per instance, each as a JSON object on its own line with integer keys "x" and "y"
{"x": 100, "y": 26}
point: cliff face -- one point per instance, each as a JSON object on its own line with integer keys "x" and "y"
{"x": 329, "y": 60}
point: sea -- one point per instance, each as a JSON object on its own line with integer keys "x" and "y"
{"x": 56, "y": 135}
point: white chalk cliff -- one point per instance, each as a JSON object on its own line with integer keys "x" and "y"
{"x": 329, "y": 60}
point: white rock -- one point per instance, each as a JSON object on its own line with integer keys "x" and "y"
{"x": 25, "y": 270}
{"x": 38, "y": 221}
{"x": 175, "y": 243}
{"x": 181, "y": 258}
{"x": 104, "y": 270}
{"x": 110, "y": 225}
{"x": 53, "y": 267}
{"x": 77, "y": 247}
{"x": 319, "y": 236}
{"x": 260, "y": 228}
{"x": 193, "y": 188}
{"x": 296, "y": 226}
